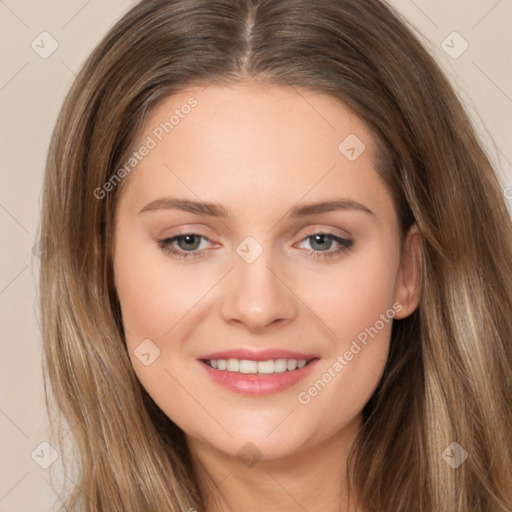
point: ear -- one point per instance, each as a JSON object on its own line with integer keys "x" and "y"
{"x": 408, "y": 282}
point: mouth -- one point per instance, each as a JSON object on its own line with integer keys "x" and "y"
{"x": 257, "y": 373}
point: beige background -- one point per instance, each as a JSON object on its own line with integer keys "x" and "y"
{"x": 31, "y": 92}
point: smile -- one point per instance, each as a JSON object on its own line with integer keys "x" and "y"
{"x": 257, "y": 373}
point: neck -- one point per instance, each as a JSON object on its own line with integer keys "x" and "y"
{"x": 314, "y": 478}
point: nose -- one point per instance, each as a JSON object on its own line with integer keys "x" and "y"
{"x": 258, "y": 296}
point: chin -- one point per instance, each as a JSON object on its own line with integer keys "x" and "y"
{"x": 263, "y": 442}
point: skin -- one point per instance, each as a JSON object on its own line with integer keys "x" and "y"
{"x": 259, "y": 150}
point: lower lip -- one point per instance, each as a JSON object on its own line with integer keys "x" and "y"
{"x": 255, "y": 385}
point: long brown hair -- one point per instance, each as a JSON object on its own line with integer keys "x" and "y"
{"x": 449, "y": 375}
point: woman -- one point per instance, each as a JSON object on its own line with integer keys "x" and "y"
{"x": 261, "y": 370}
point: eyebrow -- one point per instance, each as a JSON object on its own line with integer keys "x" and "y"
{"x": 217, "y": 210}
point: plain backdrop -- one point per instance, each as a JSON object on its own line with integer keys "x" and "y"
{"x": 32, "y": 87}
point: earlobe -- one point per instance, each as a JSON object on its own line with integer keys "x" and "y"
{"x": 408, "y": 283}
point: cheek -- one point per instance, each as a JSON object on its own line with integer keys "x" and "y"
{"x": 358, "y": 305}
{"x": 354, "y": 294}
{"x": 155, "y": 294}
{"x": 161, "y": 302}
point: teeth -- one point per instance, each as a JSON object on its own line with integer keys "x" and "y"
{"x": 248, "y": 366}
{"x": 233, "y": 365}
{"x": 257, "y": 367}
{"x": 291, "y": 364}
{"x": 280, "y": 366}
{"x": 266, "y": 366}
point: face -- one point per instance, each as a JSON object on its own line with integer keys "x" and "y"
{"x": 252, "y": 315}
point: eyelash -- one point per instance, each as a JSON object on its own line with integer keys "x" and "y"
{"x": 345, "y": 245}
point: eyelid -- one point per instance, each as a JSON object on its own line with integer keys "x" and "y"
{"x": 325, "y": 230}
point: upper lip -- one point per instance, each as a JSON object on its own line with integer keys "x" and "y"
{"x": 257, "y": 355}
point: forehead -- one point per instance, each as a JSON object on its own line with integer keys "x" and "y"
{"x": 254, "y": 139}
{"x": 257, "y": 109}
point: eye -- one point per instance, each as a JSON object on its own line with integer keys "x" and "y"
{"x": 321, "y": 244}
{"x": 187, "y": 242}
{"x": 186, "y": 245}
